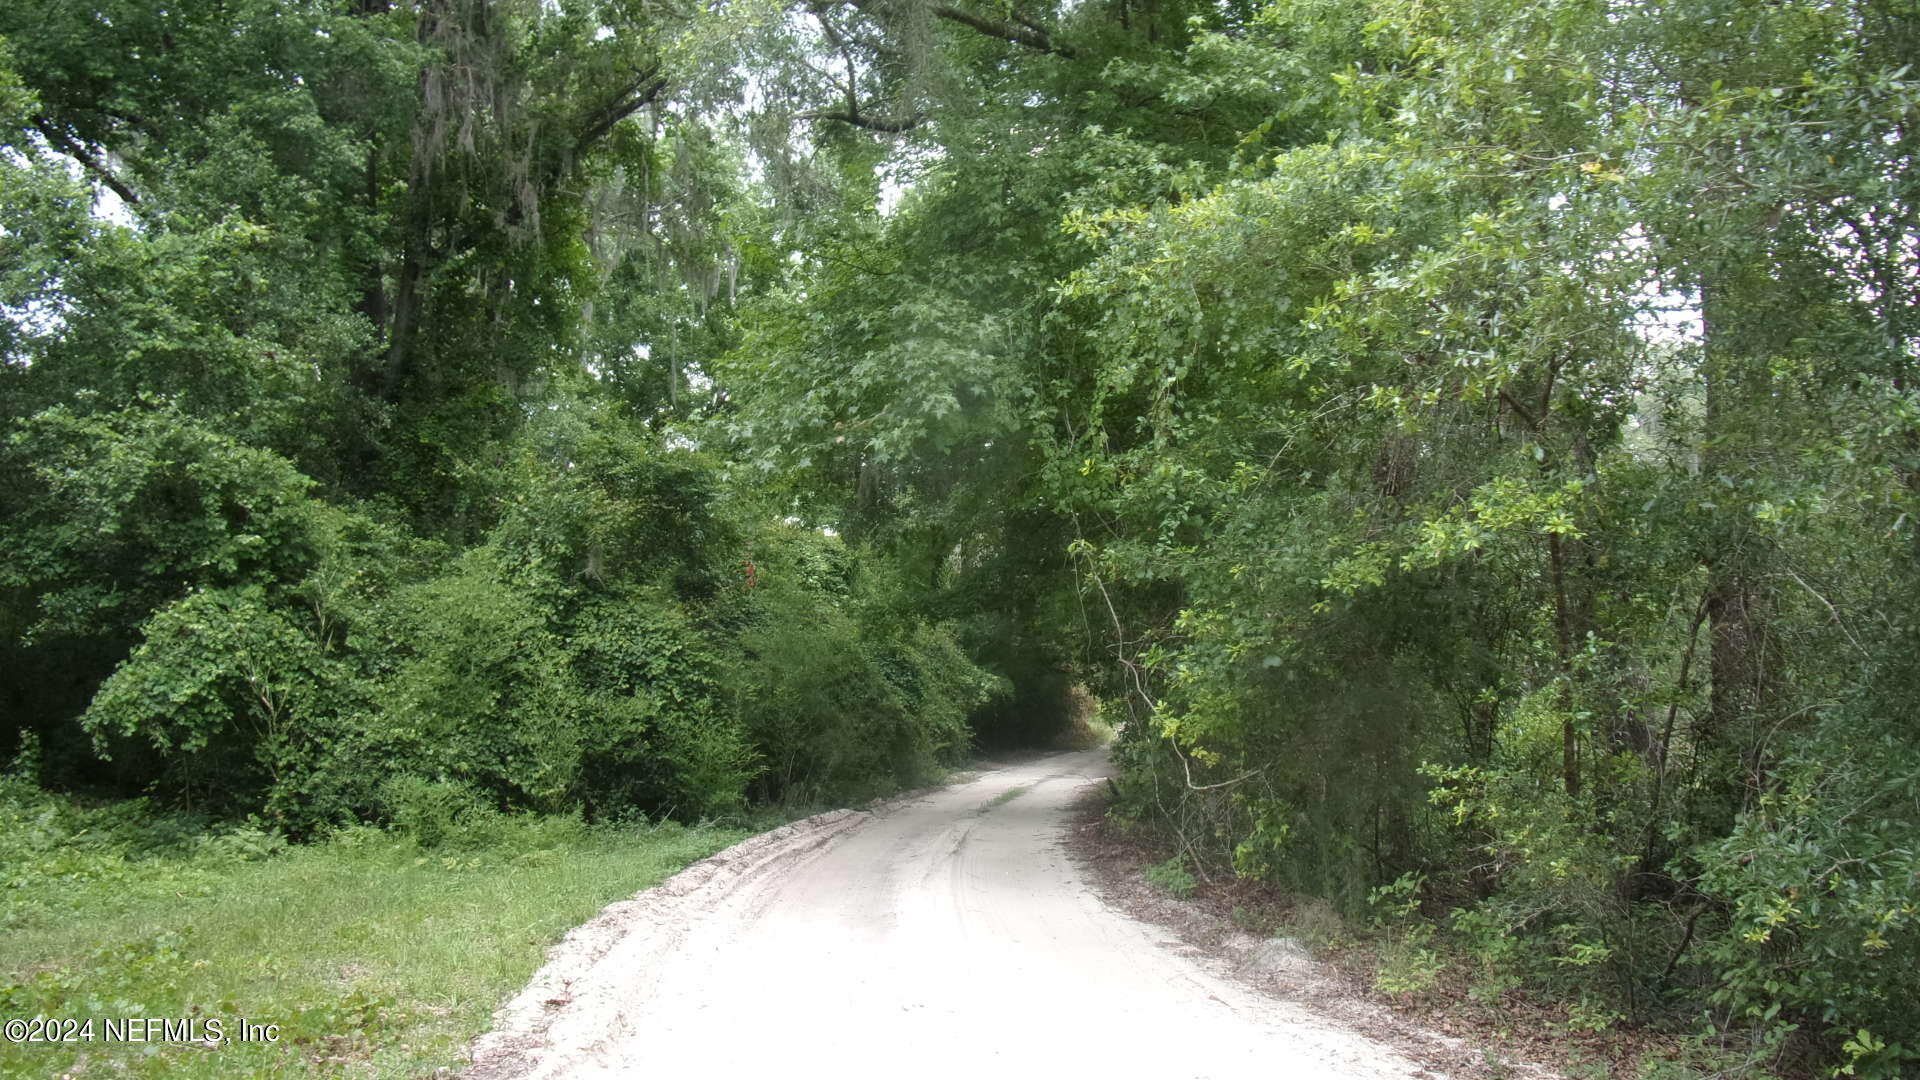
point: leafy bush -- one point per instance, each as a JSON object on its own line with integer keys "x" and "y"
{"x": 589, "y": 500}
{"x": 664, "y": 739}
{"x": 133, "y": 508}
{"x": 1823, "y": 878}
{"x": 819, "y": 712}
{"x": 846, "y": 698}
{"x": 482, "y": 692}
{"x": 237, "y": 697}
{"x": 1173, "y": 876}
{"x": 248, "y": 842}
{"x": 438, "y": 813}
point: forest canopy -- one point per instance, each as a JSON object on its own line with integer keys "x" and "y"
{"x": 1470, "y": 448}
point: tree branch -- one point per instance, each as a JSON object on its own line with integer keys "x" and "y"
{"x": 1533, "y": 422}
{"x": 840, "y": 44}
{"x": 1028, "y": 35}
{"x": 630, "y": 99}
{"x": 59, "y": 141}
{"x": 849, "y": 116}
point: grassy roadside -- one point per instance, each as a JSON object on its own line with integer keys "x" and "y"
{"x": 1425, "y": 978}
{"x": 376, "y": 957}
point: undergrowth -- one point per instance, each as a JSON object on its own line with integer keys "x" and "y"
{"x": 1459, "y": 978}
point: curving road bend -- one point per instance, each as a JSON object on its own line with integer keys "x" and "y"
{"x": 946, "y": 936}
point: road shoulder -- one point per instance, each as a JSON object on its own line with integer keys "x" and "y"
{"x": 1204, "y": 930}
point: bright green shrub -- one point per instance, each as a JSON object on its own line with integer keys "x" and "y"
{"x": 1174, "y": 877}
{"x": 666, "y": 741}
{"x": 1823, "y": 879}
{"x": 591, "y": 501}
{"x": 134, "y": 507}
{"x": 239, "y": 700}
{"x": 844, "y": 693}
{"x": 821, "y": 714}
{"x": 483, "y": 693}
{"x": 438, "y": 813}
{"x": 559, "y": 664}
{"x": 607, "y": 703}
{"x": 940, "y": 685}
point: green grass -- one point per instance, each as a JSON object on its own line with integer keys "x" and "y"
{"x": 375, "y": 957}
{"x": 1006, "y": 797}
{"x": 1173, "y": 876}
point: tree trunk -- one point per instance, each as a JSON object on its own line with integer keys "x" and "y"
{"x": 1731, "y": 601}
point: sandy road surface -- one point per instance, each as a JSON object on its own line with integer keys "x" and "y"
{"x": 949, "y": 936}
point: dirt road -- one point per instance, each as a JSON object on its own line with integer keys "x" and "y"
{"x": 947, "y": 936}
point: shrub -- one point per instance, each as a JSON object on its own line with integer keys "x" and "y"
{"x": 842, "y": 712}
{"x": 483, "y": 693}
{"x": 236, "y": 697}
{"x": 437, "y": 813}
{"x": 1173, "y": 876}
{"x": 664, "y": 739}
{"x": 133, "y": 508}
{"x": 1824, "y": 884}
{"x": 844, "y": 688}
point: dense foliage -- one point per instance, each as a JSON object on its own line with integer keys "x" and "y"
{"x": 1473, "y": 445}
{"x": 352, "y": 379}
